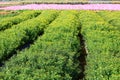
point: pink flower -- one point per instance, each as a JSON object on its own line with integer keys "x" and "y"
{"x": 65, "y": 6}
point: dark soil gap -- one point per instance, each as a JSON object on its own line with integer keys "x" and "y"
{"x": 82, "y": 57}
{"x": 20, "y": 48}
{"x": 27, "y": 44}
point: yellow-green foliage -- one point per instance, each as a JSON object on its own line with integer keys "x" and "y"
{"x": 26, "y": 31}
{"x": 112, "y": 17}
{"x": 102, "y": 40}
{"x": 53, "y": 56}
{"x": 10, "y": 21}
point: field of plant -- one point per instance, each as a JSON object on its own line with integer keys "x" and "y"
{"x": 21, "y": 2}
{"x": 64, "y": 7}
{"x": 60, "y": 45}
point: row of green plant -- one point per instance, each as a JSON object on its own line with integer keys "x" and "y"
{"x": 27, "y": 31}
{"x": 5, "y": 14}
{"x": 102, "y": 42}
{"x": 10, "y": 21}
{"x": 52, "y": 57}
{"x": 112, "y": 17}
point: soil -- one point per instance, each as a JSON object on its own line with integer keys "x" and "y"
{"x": 4, "y": 12}
{"x": 82, "y": 57}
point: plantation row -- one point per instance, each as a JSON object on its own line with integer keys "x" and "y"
{"x": 53, "y": 55}
{"x": 26, "y": 31}
{"x": 102, "y": 40}
{"x": 10, "y": 21}
{"x": 56, "y": 50}
{"x": 111, "y": 17}
{"x": 5, "y": 14}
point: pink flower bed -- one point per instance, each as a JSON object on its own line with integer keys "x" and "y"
{"x": 65, "y": 6}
